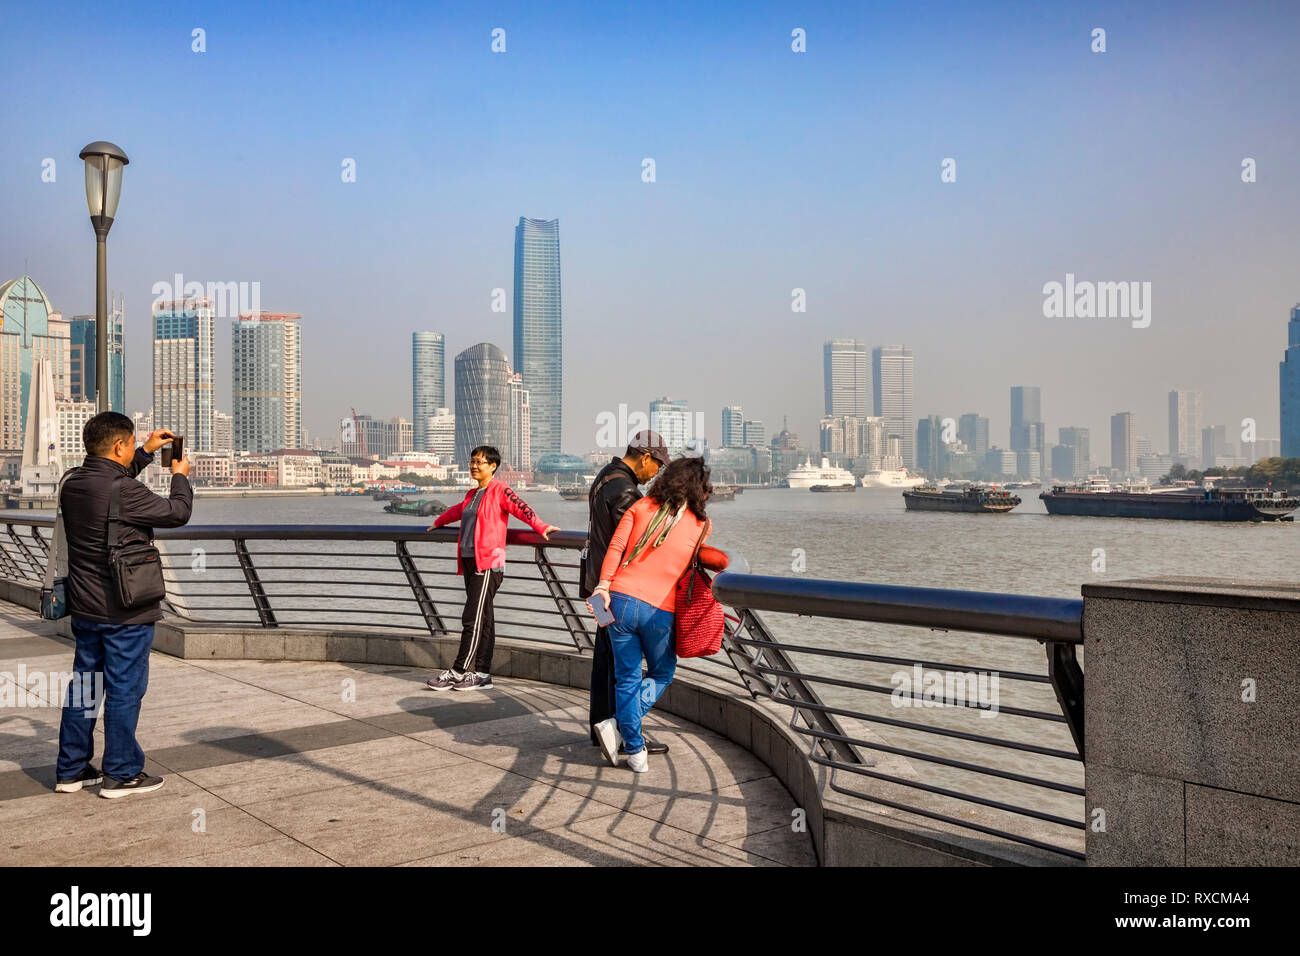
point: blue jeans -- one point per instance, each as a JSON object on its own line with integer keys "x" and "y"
{"x": 121, "y": 653}
{"x": 639, "y": 630}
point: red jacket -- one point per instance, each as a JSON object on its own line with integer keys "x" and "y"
{"x": 498, "y": 503}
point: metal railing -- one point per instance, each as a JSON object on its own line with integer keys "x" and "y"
{"x": 770, "y": 664}
{"x": 404, "y": 578}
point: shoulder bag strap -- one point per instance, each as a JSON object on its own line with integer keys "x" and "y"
{"x": 695, "y": 560}
{"x": 113, "y": 534}
{"x": 591, "y": 498}
{"x": 51, "y": 564}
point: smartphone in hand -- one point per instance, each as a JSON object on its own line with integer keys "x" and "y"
{"x": 174, "y": 451}
{"x": 604, "y": 616}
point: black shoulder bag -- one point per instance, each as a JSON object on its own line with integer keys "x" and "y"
{"x": 136, "y": 567}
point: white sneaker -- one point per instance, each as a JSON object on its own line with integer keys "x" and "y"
{"x": 638, "y": 762}
{"x": 610, "y": 740}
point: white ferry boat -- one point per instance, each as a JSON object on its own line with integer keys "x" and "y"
{"x": 807, "y": 475}
{"x": 891, "y": 479}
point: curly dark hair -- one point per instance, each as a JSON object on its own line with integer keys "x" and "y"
{"x": 685, "y": 480}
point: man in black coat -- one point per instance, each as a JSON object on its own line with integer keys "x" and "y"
{"x": 112, "y": 640}
{"x": 612, "y": 493}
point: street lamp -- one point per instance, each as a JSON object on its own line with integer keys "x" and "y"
{"x": 104, "y": 163}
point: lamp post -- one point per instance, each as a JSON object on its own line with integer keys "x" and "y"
{"x": 104, "y": 163}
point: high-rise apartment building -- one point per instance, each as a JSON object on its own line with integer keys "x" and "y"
{"x": 671, "y": 418}
{"x": 182, "y": 370}
{"x": 428, "y": 382}
{"x": 844, "y": 363}
{"x": 521, "y": 438}
{"x": 1123, "y": 443}
{"x": 892, "y": 368}
{"x": 733, "y": 427}
{"x": 1185, "y": 407}
{"x": 266, "y": 389}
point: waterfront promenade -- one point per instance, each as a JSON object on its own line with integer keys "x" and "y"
{"x": 326, "y": 763}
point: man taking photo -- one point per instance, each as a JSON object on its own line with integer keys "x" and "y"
{"x": 112, "y": 639}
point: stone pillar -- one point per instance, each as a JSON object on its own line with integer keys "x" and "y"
{"x": 1192, "y": 713}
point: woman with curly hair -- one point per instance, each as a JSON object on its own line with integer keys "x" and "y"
{"x": 638, "y": 584}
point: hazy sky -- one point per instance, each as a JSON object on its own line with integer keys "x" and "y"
{"x": 775, "y": 170}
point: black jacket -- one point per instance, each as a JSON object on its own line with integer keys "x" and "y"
{"x": 607, "y": 506}
{"x": 92, "y": 593}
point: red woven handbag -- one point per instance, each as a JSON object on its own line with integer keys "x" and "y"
{"x": 698, "y": 623}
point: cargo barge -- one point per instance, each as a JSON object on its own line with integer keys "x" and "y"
{"x": 969, "y": 500}
{"x": 1098, "y": 500}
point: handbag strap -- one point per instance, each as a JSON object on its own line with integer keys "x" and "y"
{"x": 51, "y": 564}
{"x": 695, "y": 560}
{"x": 591, "y": 498}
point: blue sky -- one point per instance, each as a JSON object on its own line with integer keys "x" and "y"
{"x": 775, "y": 170}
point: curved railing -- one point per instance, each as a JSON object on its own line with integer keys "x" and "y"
{"x": 819, "y": 649}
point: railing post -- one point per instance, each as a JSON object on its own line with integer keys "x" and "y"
{"x": 260, "y": 600}
{"x": 1067, "y": 680}
{"x": 573, "y": 620}
{"x": 432, "y": 619}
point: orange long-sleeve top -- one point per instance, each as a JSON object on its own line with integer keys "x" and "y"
{"x": 653, "y": 576}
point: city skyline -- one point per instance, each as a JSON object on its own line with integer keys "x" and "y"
{"x": 760, "y": 188}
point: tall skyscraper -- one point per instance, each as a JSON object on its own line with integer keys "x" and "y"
{"x": 538, "y": 329}
{"x": 973, "y": 430}
{"x": 182, "y": 370}
{"x": 428, "y": 382}
{"x": 81, "y": 329}
{"x": 753, "y": 433}
{"x": 30, "y": 330}
{"x": 1289, "y": 372}
{"x": 671, "y": 418}
{"x": 1185, "y": 424}
{"x": 1123, "y": 443}
{"x": 733, "y": 427}
{"x": 892, "y": 368}
{"x": 1077, "y": 440}
{"x": 482, "y": 376}
{"x": 266, "y": 367}
{"x": 1026, "y": 412}
{"x": 929, "y": 445}
{"x": 844, "y": 363}
{"x": 521, "y": 436}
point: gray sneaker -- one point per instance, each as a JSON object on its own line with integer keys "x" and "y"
{"x": 474, "y": 681}
{"x": 444, "y": 681}
{"x": 140, "y": 783}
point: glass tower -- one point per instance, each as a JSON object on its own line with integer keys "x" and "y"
{"x": 482, "y": 401}
{"x": 182, "y": 370}
{"x": 538, "y": 329}
{"x": 1290, "y": 373}
{"x": 428, "y": 383}
{"x": 81, "y": 328}
{"x": 29, "y": 329}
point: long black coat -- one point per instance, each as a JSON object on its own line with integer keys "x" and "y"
{"x": 92, "y": 593}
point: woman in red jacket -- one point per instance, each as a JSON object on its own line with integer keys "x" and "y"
{"x": 648, "y": 553}
{"x": 481, "y": 556}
